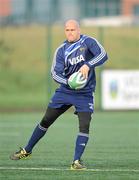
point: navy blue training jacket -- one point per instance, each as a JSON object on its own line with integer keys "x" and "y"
{"x": 69, "y": 57}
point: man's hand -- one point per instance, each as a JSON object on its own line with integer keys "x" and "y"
{"x": 84, "y": 70}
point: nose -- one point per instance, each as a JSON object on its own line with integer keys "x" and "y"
{"x": 69, "y": 34}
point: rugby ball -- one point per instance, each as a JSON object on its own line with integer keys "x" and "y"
{"x": 77, "y": 81}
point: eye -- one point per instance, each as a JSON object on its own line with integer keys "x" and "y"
{"x": 70, "y": 30}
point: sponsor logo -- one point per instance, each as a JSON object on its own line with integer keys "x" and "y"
{"x": 76, "y": 60}
{"x": 113, "y": 89}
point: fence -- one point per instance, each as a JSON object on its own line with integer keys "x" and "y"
{"x": 42, "y": 11}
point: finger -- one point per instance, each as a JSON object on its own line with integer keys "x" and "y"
{"x": 81, "y": 71}
{"x": 86, "y": 75}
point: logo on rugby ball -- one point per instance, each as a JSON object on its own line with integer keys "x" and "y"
{"x": 77, "y": 81}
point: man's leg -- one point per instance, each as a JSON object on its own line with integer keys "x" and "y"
{"x": 50, "y": 116}
{"x": 82, "y": 138}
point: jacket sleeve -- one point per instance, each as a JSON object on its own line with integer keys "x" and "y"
{"x": 99, "y": 53}
{"x": 57, "y": 69}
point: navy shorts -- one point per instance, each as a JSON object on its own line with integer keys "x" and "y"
{"x": 82, "y": 103}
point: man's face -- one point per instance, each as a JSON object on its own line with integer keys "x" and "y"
{"x": 72, "y": 31}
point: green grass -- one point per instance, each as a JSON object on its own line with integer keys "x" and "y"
{"x": 113, "y": 145}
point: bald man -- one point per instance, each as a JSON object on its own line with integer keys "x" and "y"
{"x": 77, "y": 53}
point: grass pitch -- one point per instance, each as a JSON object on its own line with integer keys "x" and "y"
{"x": 111, "y": 153}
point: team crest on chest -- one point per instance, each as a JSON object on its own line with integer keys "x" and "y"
{"x": 82, "y": 49}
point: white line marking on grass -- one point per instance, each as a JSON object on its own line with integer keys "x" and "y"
{"x": 66, "y": 169}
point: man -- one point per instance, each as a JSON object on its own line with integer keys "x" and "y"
{"x": 78, "y": 53}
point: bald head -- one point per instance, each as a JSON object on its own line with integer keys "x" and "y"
{"x": 72, "y": 30}
{"x": 73, "y": 22}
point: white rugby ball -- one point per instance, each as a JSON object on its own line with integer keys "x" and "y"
{"x": 77, "y": 81}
